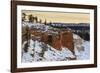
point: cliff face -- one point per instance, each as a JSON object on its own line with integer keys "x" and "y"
{"x": 62, "y": 39}
{"x": 67, "y": 41}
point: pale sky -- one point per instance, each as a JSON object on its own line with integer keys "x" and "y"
{"x": 62, "y": 17}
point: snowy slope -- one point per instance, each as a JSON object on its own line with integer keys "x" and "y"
{"x": 50, "y": 54}
{"x": 81, "y": 47}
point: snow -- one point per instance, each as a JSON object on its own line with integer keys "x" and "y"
{"x": 82, "y": 48}
{"x": 36, "y": 25}
{"x": 26, "y": 57}
{"x": 86, "y": 53}
{"x": 58, "y": 55}
{"x": 50, "y": 54}
{"x": 76, "y": 36}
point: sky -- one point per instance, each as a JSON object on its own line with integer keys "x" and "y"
{"x": 62, "y": 17}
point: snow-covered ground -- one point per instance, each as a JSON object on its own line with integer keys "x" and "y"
{"x": 44, "y": 52}
{"x": 83, "y": 52}
{"x": 81, "y": 48}
{"x": 39, "y": 51}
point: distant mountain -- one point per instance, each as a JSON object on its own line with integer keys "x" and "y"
{"x": 71, "y": 24}
{"x": 75, "y": 26}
